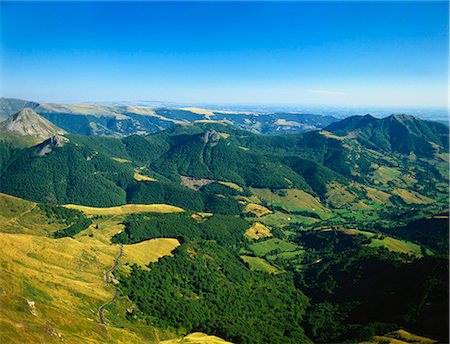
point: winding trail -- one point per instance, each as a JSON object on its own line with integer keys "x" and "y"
{"x": 100, "y": 309}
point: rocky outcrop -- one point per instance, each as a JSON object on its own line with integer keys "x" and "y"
{"x": 212, "y": 137}
{"x": 48, "y": 145}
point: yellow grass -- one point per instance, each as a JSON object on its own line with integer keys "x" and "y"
{"x": 399, "y": 337}
{"x": 121, "y": 160}
{"x": 338, "y": 196}
{"x": 377, "y": 196}
{"x": 412, "y": 197}
{"x": 257, "y": 209}
{"x": 396, "y": 245}
{"x": 232, "y": 185}
{"x": 21, "y": 216}
{"x": 50, "y": 291}
{"x": 294, "y": 199}
{"x": 224, "y": 135}
{"x": 331, "y": 135}
{"x": 149, "y": 251}
{"x": 140, "y": 177}
{"x": 258, "y": 231}
{"x": 127, "y": 209}
{"x": 196, "y": 338}
{"x": 199, "y": 111}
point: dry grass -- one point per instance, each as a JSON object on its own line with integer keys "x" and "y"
{"x": 377, "y": 196}
{"x": 140, "y": 177}
{"x": 122, "y": 161}
{"x": 399, "y": 337}
{"x": 396, "y": 245}
{"x": 292, "y": 200}
{"x": 257, "y": 209}
{"x": 199, "y": 111}
{"x": 233, "y": 186}
{"x": 331, "y": 135}
{"x": 127, "y": 209}
{"x": 196, "y": 338}
{"x": 258, "y": 231}
{"x": 149, "y": 251}
{"x": 20, "y": 216}
{"x": 338, "y": 196}
{"x": 50, "y": 291}
{"x": 412, "y": 197}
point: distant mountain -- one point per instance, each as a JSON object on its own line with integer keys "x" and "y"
{"x": 397, "y": 133}
{"x": 119, "y": 120}
{"x": 10, "y": 106}
{"x": 27, "y": 122}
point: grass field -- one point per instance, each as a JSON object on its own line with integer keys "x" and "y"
{"x": 148, "y": 251}
{"x": 377, "y": 196}
{"x": 412, "y": 197}
{"x": 121, "y": 160}
{"x": 196, "y": 338}
{"x": 264, "y": 247}
{"x": 127, "y": 209}
{"x": 338, "y": 195}
{"x": 385, "y": 174}
{"x": 140, "y": 177}
{"x": 21, "y": 216}
{"x": 401, "y": 246}
{"x": 259, "y": 264}
{"x": 291, "y": 200}
{"x": 50, "y": 291}
{"x": 399, "y": 337}
{"x": 233, "y": 186}
{"x": 258, "y": 231}
{"x": 280, "y": 219}
{"x": 392, "y": 244}
{"x": 257, "y": 209}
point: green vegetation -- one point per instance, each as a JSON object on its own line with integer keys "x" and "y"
{"x": 206, "y": 288}
{"x": 262, "y": 248}
{"x": 75, "y": 219}
{"x": 259, "y": 264}
{"x": 226, "y": 230}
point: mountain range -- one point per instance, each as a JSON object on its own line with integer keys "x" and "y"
{"x": 336, "y": 233}
{"x": 123, "y": 120}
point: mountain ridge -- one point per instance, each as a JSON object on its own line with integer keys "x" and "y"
{"x": 27, "y": 122}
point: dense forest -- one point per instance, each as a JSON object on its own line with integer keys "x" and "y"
{"x": 206, "y": 288}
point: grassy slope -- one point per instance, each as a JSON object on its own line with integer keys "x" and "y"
{"x": 126, "y": 209}
{"x": 259, "y": 264}
{"x": 51, "y": 288}
{"x": 148, "y": 251}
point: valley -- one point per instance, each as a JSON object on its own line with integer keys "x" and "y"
{"x": 204, "y": 232}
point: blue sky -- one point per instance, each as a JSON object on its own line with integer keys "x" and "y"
{"x": 335, "y": 53}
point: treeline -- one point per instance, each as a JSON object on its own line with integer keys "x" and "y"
{"x": 75, "y": 220}
{"x": 171, "y": 193}
{"x": 225, "y": 230}
{"x": 206, "y": 288}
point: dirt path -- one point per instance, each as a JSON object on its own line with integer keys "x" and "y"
{"x": 107, "y": 273}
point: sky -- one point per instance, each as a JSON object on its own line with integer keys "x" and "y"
{"x": 328, "y": 53}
